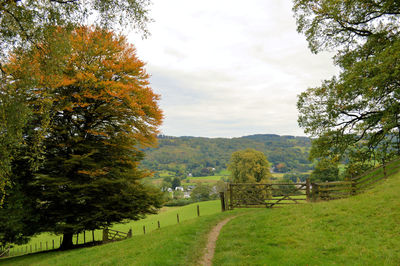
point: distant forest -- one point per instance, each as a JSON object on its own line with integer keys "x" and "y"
{"x": 203, "y": 156}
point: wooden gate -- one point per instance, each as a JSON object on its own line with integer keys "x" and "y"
{"x": 247, "y": 195}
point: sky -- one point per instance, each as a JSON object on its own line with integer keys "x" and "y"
{"x": 229, "y": 68}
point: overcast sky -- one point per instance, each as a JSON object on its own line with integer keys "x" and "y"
{"x": 229, "y": 68}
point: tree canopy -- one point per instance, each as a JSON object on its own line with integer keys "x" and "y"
{"x": 356, "y": 113}
{"x": 249, "y": 166}
{"x": 28, "y": 23}
{"x": 101, "y": 110}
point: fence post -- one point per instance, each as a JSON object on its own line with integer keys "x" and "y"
{"x": 144, "y": 229}
{"x": 77, "y": 237}
{"x": 230, "y": 196}
{"x": 308, "y": 189}
{"x": 198, "y": 210}
{"x": 222, "y": 197}
{"x": 384, "y": 170}
{"x": 53, "y": 243}
{"x": 105, "y": 235}
{"x": 353, "y": 187}
{"x": 315, "y": 192}
{"x": 177, "y": 217}
{"x": 158, "y": 223}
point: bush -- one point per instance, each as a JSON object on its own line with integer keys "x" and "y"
{"x": 178, "y": 202}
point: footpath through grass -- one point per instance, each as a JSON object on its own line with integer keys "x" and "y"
{"x": 361, "y": 230}
{"x": 181, "y": 244}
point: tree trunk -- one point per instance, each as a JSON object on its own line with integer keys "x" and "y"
{"x": 67, "y": 241}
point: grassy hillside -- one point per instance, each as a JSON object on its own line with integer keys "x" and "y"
{"x": 166, "y": 217}
{"x": 181, "y": 244}
{"x": 362, "y": 230}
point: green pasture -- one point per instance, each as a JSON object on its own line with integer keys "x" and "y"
{"x": 165, "y": 173}
{"x": 279, "y": 176}
{"x": 213, "y": 179}
{"x": 181, "y": 244}
{"x": 361, "y": 230}
{"x": 167, "y": 216}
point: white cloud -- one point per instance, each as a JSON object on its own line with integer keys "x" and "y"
{"x": 227, "y": 69}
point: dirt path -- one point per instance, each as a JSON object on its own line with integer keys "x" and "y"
{"x": 212, "y": 239}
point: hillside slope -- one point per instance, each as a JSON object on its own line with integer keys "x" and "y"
{"x": 198, "y": 155}
{"x": 362, "y": 230}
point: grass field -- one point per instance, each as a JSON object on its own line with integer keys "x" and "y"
{"x": 181, "y": 244}
{"x": 362, "y": 230}
{"x": 167, "y": 216}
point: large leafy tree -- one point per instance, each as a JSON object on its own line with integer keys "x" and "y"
{"x": 249, "y": 166}
{"x": 100, "y": 110}
{"x": 356, "y": 113}
{"x": 25, "y": 23}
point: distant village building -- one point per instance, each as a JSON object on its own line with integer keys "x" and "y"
{"x": 179, "y": 189}
{"x": 186, "y": 194}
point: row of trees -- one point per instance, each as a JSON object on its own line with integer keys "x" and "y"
{"x": 75, "y": 111}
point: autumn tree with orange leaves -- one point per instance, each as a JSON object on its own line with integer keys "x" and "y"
{"x": 100, "y": 110}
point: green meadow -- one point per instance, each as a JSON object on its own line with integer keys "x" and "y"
{"x": 360, "y": 230}
{"x": 167, "y": 216}
{"x": 181, "y": 244}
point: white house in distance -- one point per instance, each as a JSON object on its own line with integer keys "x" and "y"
{"x": 179, "y": 189}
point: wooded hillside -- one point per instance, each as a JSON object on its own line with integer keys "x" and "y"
{"x": 198, "y": 155}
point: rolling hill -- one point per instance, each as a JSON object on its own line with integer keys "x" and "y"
{"x": 201, "y": 156}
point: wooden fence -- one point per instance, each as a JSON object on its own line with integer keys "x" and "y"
{"x": 243, "y": 195}
{"x": 84, "y": 238}
{"x": 239, "y": 195}
{"x": 347, "y": 188}
{"x": 110, "y": 235}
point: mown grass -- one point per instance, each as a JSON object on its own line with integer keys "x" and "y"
{"x": 361, "y": 230}
{"x": 181, "y": 244}
{"x": 167, "y": 216}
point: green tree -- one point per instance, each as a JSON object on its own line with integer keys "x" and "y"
{"x": 176, "y": 182}
{"x": 358, "y": 109}
{"x": 13, "y": 116}
{"x": 249, "y": 166}
{"x": 326, "y": 170}
{"x": 26, "y": 22}
{"x": 101, "y": 112}
{"x": 19, "y": 218}
{"x": 201, "y": 192}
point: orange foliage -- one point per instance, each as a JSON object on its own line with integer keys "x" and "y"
{"x": 97, "y": 71}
